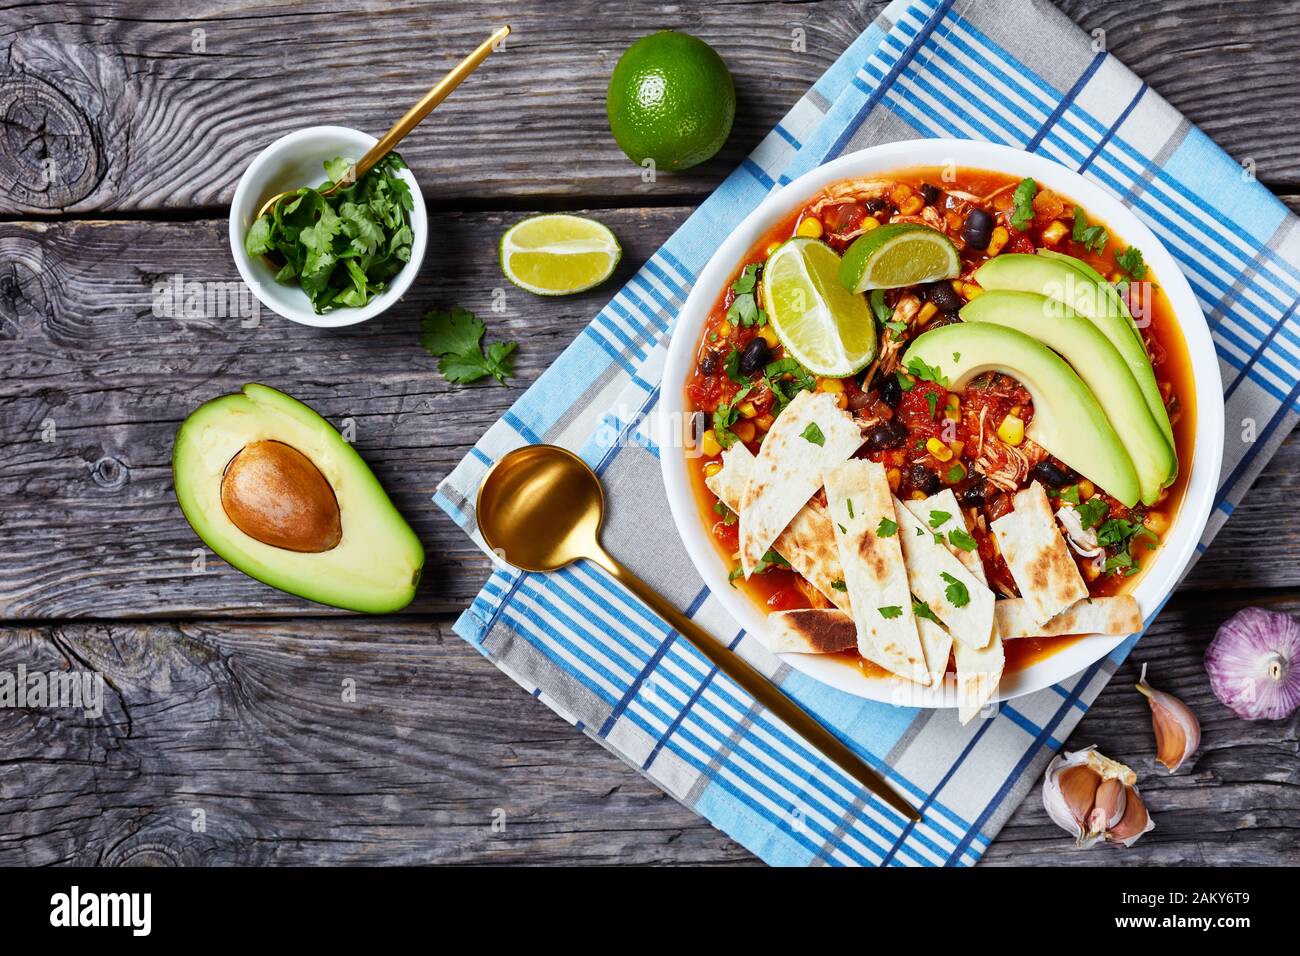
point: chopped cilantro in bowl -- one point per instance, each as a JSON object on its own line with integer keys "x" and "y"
{"x": 344, "y": 249}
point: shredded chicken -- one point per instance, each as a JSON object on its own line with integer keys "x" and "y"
{"x": 1007, "y": 466}
{"x": 929, "y": 216}
{"x": 1082, "y": 540}
{"x": 905, "y": 310}
{"x": 852, "y": 190}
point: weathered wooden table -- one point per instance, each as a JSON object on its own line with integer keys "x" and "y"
{"x": 226, "y": 737}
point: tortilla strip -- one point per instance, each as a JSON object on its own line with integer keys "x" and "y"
{"x": 808, "y": 542}
{"x": 858, "y": 499}
{"x": 927, "y": 562}
{"x": 788, "y": 469}
{"x": 937, "y": 644}
{"x": 811, "y": 631}
{"x": 1100, "y": 615}
{"x": 1040, "y": 564}
{"x": 978, "y": 674}
{"x": 946, "y": 501}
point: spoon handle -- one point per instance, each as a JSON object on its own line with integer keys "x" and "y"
{"x": 757, "y": 686}
{"x": 426, "y": 104}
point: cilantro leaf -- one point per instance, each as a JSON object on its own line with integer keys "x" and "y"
{"x": 955, "y": 592}
{"x": 839, "y": 585}
{"x": 1092, "y": 511}
{"x": 1093, "y": 238}
{"x": 813, "y": 434}
{"x": 1130, "y": 260}
{"x": 890, "y": 611}
{"x": 455, "y": 336}
{"x": 921, "y": 609}
{"x": 961, "y": 539}
{"x": 921, "y": 369}
{"x": 1023, "y": 214}
{"x": 731, "y": 365}
{"x": 937, "y": 518}
{"x": 744, "y": 308}
{"x": 886, "y": 528}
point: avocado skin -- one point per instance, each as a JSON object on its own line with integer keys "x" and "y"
{"x": 1068, "y": 421}
{"x": 1100, "y": 367}
{"x": 375, "y": 568}
{"x": 1052, "y": 274}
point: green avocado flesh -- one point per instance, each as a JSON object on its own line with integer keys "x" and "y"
{"x": 1079, "y": 286}
{"x": 1067, "y": 421}
{"x": 376, "y": 563}
{"x": 1100, "y": 366}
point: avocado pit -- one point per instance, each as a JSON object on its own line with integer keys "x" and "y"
{"x": 273, "y": 493}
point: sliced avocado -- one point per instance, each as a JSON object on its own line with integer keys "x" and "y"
{"x": 1067, "y": 421}
{"x": 1079, "y": 286}
{"x": 273, "y": 489}
{"x": 1100, "y": 366}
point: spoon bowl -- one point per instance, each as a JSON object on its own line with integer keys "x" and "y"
{"x": 540, "y": 508}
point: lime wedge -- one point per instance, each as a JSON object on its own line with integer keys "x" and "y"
{"x": 556, "y": 254}
{"x": 827, "y": 329}
{"x": 896, "y": 255}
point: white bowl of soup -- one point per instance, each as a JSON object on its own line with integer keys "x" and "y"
{"x": 1138, "y": 548}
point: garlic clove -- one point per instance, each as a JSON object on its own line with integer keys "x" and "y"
{"x": 1109, "y": 807}
{"x": 1135, "y": 821}
{"x": 1178, "y": 732}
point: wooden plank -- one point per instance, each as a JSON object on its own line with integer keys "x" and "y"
{"x": 111, "y": 106}
{"x": 88, "y": 521}
{"x": 247, "y": 723}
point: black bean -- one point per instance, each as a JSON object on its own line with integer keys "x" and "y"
{"x": 709, "y": 364}
{"x": 891, "y": 393}
{"x": 944, "y": 296}
{"x": 754, "y": 357}
{"x": 1052, "y": 475}
{"x": 888, "y": 434}
{"x": 923, "y": 479}
{"x": 972, "y": 496}
{"x": 930, "y": 194}
{"x": 874, "y": 206}
{"x": 978, "y": 229}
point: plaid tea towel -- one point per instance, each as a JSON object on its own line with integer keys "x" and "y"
{"x": 1016, "y": 72}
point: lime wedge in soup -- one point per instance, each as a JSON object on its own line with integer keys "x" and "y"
{"x": 896, "y": 255}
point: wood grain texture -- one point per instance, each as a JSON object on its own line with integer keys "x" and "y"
{"x": 247, "y": 722}
{"x": 88, "y": 521}
{"x": 116, "y": 106}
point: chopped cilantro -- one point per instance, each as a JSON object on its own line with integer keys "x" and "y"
{"x": 843, "y": 530}
{"x": 1023, "y": 214}
{"x": 724, "y": 416}
{"x": 932, "y": 399}
{"x": 731, "y": 364}
{"x": 1130, "y": 260}
{"x": 1092, "y": 512}
{"x": 786, "y": 378}
{"x": 886, "y": 528}
{"x": 1070, "y": 493}
{"x": 956, "y": 473}
{"x": 839, "y": 585}
{"x": 956, "y": 356}
{"x": 960, "y": 539}
{"x": 904, "y": 382}
{"x": 890, "y": 611}
{"x": 938, "y": 517}
{"x": 813, "y": 434}
{"x": 1093, "y": 238}
{"x": 744, "y": 308}
{"x": 455, "y": 337}
{"x": 955, "y": 592}
{"x": 849, "y": 503}
{"x": 921, "y": 609}
{"x": 729, "y": 517}
{"x": 921, "y": 369}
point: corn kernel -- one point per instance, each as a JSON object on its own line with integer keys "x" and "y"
{"x": 999, "y": 239}
{"x": 938, "y": 449}
{"x": 895, "y": 477}
{"x": 712, "y": 468}
{"x": 1157, "y": 522}
{"x": 927, "y": 313}
{"x": 900, "y": 192}
{"x": 764, "y": 422}
{"x": 1116, "y": 277}
{"x": 954, "y": 220}
{"x": 910, "y": 206}
{"x": 709, "y": 444}
{"x": 1015, "y": 410}
{"x": 957, "y": 448}
{"x": 810, "y": 227}
{"x": 743, "y": 430}
{"x": 747, "y": 409}
{"x": 1086, "y": 489}
{"x": 723, "y": 329}
{"x": 1054, "y": 232}
{"x": 952, "y": 407}
{"x": 918, "y": 495}
{"x": 1012, "y": 430}
{"x": 842, "y": 400}
{"x": 768, "y": 335}
{"x": 871, "y": 222}
{"x": 971, "y": 290}
{"x": 830, "y": 385}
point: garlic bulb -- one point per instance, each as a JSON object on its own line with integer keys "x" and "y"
{"x": 1178, "y": 732}
{"x": 1254, "y": 664}
{"x": 1094, "y": 798}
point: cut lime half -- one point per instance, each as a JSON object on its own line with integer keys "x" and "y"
{"x": 557, "y": 254}
{"x": 896, "y": 255}
{"x": 829, "y": 330}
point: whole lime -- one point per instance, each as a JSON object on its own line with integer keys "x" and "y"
{"x": 670, "y": 100}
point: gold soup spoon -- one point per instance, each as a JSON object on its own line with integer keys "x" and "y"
{"x": 407, "y": 123}
{"x": 540, "y": 508}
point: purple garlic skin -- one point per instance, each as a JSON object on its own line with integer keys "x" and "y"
{"x": 1254, "y": 664}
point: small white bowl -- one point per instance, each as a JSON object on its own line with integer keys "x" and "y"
{"x": 298, "y": 160}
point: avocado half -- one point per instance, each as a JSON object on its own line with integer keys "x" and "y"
{"x": 273, "y": 489}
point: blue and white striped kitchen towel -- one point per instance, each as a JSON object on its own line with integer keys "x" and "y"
{"x": 1015, "y": 72}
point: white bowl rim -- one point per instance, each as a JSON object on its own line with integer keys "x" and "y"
{"x": 1156, "y": 584}
{"x": 337, "y": 318}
